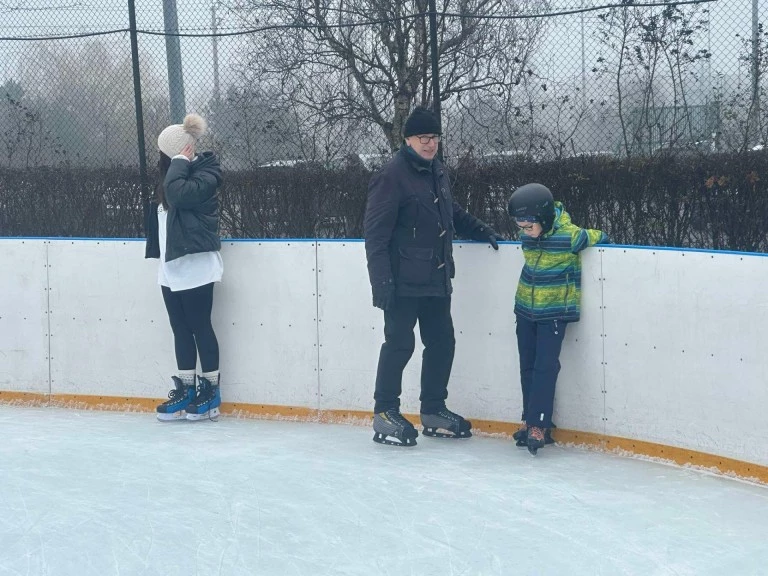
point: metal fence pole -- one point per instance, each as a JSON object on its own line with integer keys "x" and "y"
{"x": 137, "y": 100}
{"x": 173, "y": 55}
{"x": 214, "y": 30}
{"x": 436, "y": 104}
{"x": 754, "y": 121}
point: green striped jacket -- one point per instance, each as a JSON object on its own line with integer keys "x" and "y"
{"x": 550, "y": 283}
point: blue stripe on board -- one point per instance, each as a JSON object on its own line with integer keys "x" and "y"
{"x": 72, "y": 238}
{"x": 359, "y": 240}
{"x": 83, "y": 239}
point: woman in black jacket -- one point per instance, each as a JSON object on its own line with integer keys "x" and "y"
{"x": 183, "y": 232}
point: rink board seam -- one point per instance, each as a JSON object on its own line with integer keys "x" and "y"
{"x": 614, "y": 444}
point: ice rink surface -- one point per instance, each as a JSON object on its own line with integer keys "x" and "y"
{"x": 98, "y": 493}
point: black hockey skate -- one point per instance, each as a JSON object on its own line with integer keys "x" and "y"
{"x": 446, "y": 420}
{"x": 178, "y": 400}
{"x": 392, "y": 423}
{"x": 521, "y": 437}
{"x": 207, "y": 403}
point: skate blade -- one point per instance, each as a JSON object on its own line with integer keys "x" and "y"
{"x": 382, "y": 439}
{"x": 534, "y": 449}
{"x": 434, "y": 433}
{"x": 524, "y": 443}
{"x": 172, "y": 416}
{"x": 211, "y": 414}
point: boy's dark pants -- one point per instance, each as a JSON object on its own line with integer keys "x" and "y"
{"x": 539, "y": 345}
{"x": 436, "y": 328}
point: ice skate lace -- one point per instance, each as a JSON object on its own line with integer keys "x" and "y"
{"x": 449, "y": 415}
{"x": 396, "y": 418}
{"x": 175, "y": 395}
{"x": 205, "y": 393}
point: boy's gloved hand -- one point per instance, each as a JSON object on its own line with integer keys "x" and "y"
{"x": 384, "y": 294}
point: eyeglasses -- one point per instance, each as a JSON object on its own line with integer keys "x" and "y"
{"x": 428, "y": 139}
{"x": 526, "y": 227}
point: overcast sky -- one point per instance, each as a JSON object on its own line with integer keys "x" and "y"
{"x": 560, "y": 57}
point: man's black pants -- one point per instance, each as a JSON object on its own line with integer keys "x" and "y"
{"x": 436, "y": 328}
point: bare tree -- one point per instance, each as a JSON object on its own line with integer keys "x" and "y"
{"x": 339, "y": 70}
{"x": 650, "y": 53}
{"x": 24, "y": 138}
{"x": 742, "y": 125}
{"x": 82, "y": 94}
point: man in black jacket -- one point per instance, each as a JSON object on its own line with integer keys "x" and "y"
{"x": 410, "y": 221}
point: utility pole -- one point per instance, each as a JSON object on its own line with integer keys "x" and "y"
{"x": 436, "y": 105}
{"x": 173, "y": 55}
{"x": 583, "y": 62}
{"x": 754, "y": 120}
{"x": 214, "y": 29}
{"x": 139, "y": 110}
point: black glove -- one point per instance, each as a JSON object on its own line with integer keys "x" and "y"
{"x": 384, "y": 294}
{"x": 485, "y": 232}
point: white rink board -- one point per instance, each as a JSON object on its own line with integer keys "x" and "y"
{"x": 580, "y": 393}
{"x": 485, "y": 378}
{"x": 109, "y": 329}
{"x": 266, "y": 321}
{"x": 24, "y": 316}
{"x": 683, "y": 342}
{"x": 685, "y": 350}
{"x": 111, "y": 336}
{"x": 352, "y": 331}
{"x": 485, "y": 381}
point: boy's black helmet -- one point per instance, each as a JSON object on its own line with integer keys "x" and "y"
{"x": 533, "y": 201}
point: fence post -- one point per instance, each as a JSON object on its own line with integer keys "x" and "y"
{"x": 139, "y": 109}
{"x": 754, "y": 121}
{"x": 214, "y": 30}
{"x": 436, "y": 106}
{"x": 173, "y": 56}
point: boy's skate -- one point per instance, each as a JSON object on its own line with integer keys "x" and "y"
{"x": 207, "y": 401}
{"x": 521, "y": 436}
{"x": 178, "y": 401}
{"x": 446, "y": 420}
{"x": 392, "y": 423}
{"x": 535, "y": 439}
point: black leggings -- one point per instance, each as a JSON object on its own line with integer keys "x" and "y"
{"x": 190, "y": 314}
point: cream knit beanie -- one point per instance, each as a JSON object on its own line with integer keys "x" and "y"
{"x": 174, "y": 138}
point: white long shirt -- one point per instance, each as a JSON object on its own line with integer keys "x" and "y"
{"x": 186, "y": 272}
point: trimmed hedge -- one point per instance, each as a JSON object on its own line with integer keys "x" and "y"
{"x": 715, "y": 201}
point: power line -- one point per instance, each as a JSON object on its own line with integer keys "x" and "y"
{"x": 21, "y": 8}
{"x": 628, "y": 4}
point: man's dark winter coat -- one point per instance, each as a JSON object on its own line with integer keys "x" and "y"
{"x": 410, "y": 222}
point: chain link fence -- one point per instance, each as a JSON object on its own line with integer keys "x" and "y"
{"x": 295, "y": 89}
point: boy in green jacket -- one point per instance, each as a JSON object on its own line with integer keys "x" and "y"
{"x": 548, "y": 298}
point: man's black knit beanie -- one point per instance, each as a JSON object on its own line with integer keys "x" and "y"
{"x": 421, "y": 121}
